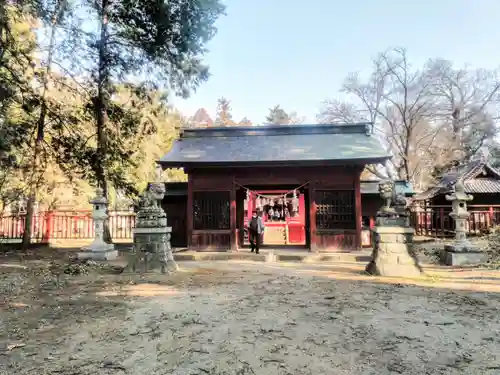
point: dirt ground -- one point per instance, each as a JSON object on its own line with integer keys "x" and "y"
{"x": 247, "y": 318}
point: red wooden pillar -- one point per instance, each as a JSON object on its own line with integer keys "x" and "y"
{"x": 189, "y": 213}
{"x": 312, "y": 218}
{"x": 302, "y": 217}
{"x": 49, "y": 225}
{"x": 357, "y": 204}
{"x": 232, "y": 217}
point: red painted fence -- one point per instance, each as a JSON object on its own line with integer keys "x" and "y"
{"x": 65, "y": 225}
{"x": 433, "y": 221}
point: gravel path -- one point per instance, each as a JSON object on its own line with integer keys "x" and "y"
{"x": 239, "y": 318}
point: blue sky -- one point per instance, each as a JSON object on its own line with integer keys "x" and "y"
{"x": 297, "y": 53}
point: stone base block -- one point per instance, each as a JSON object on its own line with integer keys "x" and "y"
{"x": 393, "y": 253}
{"x": 109, "y": 254}
{"x": 451, "y": 258}
{"x": 390, "y": 269}
{"x": 271, "y": 257}
{"x": 461, "y": 247}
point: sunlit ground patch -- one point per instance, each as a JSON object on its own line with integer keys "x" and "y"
{"x": 141, "y": 290}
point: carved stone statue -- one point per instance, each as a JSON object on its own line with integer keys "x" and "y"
{"x": 394, "y": 210}
{"x": 386, "y": 191}
{"x": 152, "y": 235}
{"x": 393, "y": 253}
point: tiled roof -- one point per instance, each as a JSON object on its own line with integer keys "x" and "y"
{"x": 401, "y": 186}
{"x": 283, "y": 144}
{"x": 482, "y": 186}
{"x": 468, "y": 173}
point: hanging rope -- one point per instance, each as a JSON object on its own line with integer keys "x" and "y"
{"x": 271, "y": 196}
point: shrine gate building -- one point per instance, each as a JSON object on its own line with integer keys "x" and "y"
{"x": 304, "y": 180}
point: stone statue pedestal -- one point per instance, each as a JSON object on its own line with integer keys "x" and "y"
{"x": 151, "y": 251}
{"x": 462, "y": 253}
{"x": 393, "y": 252}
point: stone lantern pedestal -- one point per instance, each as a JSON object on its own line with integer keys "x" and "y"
{"x": 461, "y": 251}
{"x": 99, "y": 249}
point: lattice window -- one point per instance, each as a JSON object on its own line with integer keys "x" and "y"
{"x": 211, "y": 210}
{"x": 335, "y": 209}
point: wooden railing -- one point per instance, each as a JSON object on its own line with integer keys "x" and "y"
{"x": 435, "y": 221}
{"x": 65, "y": 225}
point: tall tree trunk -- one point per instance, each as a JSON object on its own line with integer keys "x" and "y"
{"x": 3, "y": 27}
{"x": 101, "y": 107}
{"x": 37, "y": 171}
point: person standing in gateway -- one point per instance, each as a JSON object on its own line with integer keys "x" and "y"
{"x": 255, "y": 230}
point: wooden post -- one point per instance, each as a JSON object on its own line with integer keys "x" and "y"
{"x": 302, "y": 217}
{"x": 441, "y": 221}
{"x": 232, "y": 218}
{"x": 357, "y": 204}
{"x": 312, "y": 218}
{"x": 49, "y": 223}
{"x": 189, "y": 215}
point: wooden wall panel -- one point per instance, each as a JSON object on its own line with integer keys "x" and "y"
{"x": 177, "y": 219}
{"x": 212, "y": 182}
{"x": 211, "y": 240}
{"x": 221, "y": 178}
{"x": 316, "y": 178}
{"x": 333, "y": 241}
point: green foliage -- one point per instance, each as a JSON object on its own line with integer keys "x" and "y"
{"x": 17, "y": 99}
{"x": 98, "y": 125}
{"x": 161, "y": 44}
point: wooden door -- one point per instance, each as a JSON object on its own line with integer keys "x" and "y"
{"x": 176, "y": 218}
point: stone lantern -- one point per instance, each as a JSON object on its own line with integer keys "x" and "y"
{"x": 459, "y": 212}
{"x": 99, "y": 249}
{"x": 461, "y": 251}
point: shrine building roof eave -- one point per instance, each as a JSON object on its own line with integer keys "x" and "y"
{"x": 274, "y": 163}
{"x": 285, "y": 145}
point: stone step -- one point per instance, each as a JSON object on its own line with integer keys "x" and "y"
{"x": 274, "y": 236}
{"x": 280, "y": 256}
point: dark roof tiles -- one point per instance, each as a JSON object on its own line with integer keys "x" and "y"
{"x": 470, "y": 174}
{"x": 282, "y": 144}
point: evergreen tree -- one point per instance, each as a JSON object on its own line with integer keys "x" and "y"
{"x": 201, "y": 118}
{"x": 224, "y": 116}
{"x": 277, "y": 116}
{"x": 245, "y": 122}
{"x": 161, "y": 42}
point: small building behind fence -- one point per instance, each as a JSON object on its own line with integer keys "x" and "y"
{"x": 480, "y": 178}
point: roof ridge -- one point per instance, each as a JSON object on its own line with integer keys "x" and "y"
{"x": 276, "y": 130}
